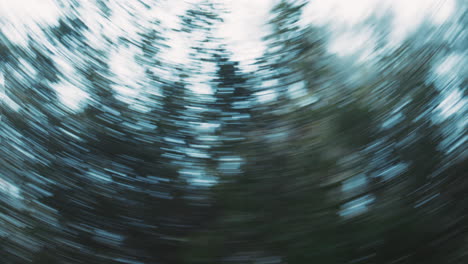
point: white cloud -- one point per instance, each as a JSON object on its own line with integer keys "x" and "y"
{"x": 70, "y": 95}
{"x": 349, "y": 43}
{"x": 18, "y": 18}
{"x": 243, "y": 29}
{"x": 338, "y": 11}
{"x": 201, "y": 88}
{"x": 449, "y": 64}
{"x": 454, "y": 102}
{"x": 345, "y": 14}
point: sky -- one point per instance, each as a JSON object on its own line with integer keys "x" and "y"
{"x": 243, "y": 28}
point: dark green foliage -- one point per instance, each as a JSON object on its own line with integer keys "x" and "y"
{"x": 361, "y": 175}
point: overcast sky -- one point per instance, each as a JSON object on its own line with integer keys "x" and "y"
{"x": 242, "y": 29}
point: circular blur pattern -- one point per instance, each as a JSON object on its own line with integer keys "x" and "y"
{"x": 211, "y": 131}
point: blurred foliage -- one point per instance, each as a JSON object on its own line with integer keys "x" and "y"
{"x": 339, "y": 172}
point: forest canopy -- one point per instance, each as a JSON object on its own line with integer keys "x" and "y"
{"x": 132, "y": 133}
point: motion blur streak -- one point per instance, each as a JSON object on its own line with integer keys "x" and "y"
{"x": 246, "y": 131}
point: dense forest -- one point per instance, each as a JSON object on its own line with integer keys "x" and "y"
{"x": 304, "y": 157}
